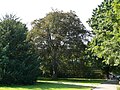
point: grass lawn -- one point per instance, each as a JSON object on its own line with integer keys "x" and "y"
{"x": 77, "y": 80}
{"x": 54, "y": 86}
{"x": 118, "y": 88}
{"x": 45, "y": 86}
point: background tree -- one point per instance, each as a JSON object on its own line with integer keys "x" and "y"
{"x": 106, "y": 40}
{"x": 18, "y": 62}
{"x": 59, "y": 38}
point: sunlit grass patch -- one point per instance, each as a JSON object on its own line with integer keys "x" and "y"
{"x": 46, "y": 86}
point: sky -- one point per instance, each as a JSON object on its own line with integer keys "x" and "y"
{"x": 29, "y": 10}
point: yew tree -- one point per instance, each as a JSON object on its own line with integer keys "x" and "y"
{"x": 18, "y": 61}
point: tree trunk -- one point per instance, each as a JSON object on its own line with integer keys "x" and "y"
{"x": 107, "y": 71}
{"x": 54, "y": 71}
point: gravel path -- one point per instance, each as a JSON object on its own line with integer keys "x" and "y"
{"x": 109, "y": 85}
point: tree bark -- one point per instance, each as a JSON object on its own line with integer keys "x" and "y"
{"x": 54, "y": 63}
{"x": 54, "y": 67}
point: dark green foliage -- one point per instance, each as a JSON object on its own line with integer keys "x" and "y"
{"x": 18, "y": 62}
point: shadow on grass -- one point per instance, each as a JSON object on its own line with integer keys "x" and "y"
{"x": 45, "y": 86}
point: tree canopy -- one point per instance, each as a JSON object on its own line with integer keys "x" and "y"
{"x": 105, "y": 24}
{"x": 18, "y": 62}
{"x": 59, "y": 36}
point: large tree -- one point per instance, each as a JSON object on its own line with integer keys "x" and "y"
{"x": 18, "y": 62}
{"x": 106, "y": 40}
{"x": 58, "y": 36}
{"x": 106, "y": 31}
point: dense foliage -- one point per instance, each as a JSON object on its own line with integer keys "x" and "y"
{"x": 18, "y": 62}
{"x": 58, "y": 45}
{"x": 59, "y": 38}
{"x": 105, "y": 44}
{"x": 105, "y": 24}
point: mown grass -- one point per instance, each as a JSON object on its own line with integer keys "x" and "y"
{"x": 118, "y": 88}
{"x": 77, "y": 80}
{"x": 55, "y": 86}
{"x": 46, "y": 86}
